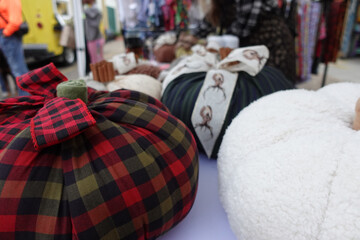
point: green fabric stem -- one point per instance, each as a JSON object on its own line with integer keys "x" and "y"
{"x": 73, "y": 89}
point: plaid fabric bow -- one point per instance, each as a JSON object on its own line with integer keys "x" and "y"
{"x": 120, "y": 167}
{"x": 52, "y": 119}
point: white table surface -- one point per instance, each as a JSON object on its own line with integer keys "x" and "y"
{"x": 207, "y": 219}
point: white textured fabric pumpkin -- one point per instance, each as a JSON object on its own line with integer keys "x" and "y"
{"x": 289, "y": 166}
{"x": 137, "y": 82}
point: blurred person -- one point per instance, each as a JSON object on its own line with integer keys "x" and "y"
{"x": 4, "y": 68}
{"x": 10, "y": 43}
{"x": 254, "y": 22}
{"x": 4, "y": 91}
{"x": 94, "y": 39}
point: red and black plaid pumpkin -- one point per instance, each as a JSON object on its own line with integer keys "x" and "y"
{"x": 118, "y": 167}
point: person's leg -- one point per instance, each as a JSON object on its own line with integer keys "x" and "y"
{"x": 100, "y": 49}
{"x": 4, "y": 91}
{"x": 87, "y": 59}
{"x": 14, "y": 54}
{"x": 92, "y": 51}
{"x": 3, "y": 67}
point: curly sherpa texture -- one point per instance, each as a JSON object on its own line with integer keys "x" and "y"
{"x": 289, "y": 166}
{"x": 137, "y": 82}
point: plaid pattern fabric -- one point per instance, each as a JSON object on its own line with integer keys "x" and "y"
{"x": 247, "y": 12}
{"x": 42, "y": 81}
{"x": 132, "y": 175}
{"x": 59, "y": 120}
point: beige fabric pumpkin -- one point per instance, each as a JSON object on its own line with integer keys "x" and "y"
{"x": 137, "y": 82}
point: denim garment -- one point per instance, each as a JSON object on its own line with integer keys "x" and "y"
{"x": 14, "y": 53}
{"x": 3, "y": 84}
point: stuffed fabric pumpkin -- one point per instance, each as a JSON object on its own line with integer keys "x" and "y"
{"x": 118, "y": 167}
{"x": 181, "y": 94}
{"x": 294, "y": 159}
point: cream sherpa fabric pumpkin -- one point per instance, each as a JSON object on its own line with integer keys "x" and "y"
{"x": 289, "y": 166}
{"x": 95, "y": 84}
{"x": 137, "y": 82}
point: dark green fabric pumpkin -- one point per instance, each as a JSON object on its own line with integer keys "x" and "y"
{"x": 180, "y": 95}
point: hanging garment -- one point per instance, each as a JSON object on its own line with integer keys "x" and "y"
{"x": 309, "y": 15}
{"x": 181, "y": 17}
{"x": 346, "y": 40}
{"x": 289, "y": 12}
{"x": 143, "y": 14}
{"x": 315, "y": 14}
{"x": 304, "y": 28}
{"x": 247, "y": 13}
{"x": 335, "y": 23}
{"x": 273, "y": 32}
{"x": 319, "y": 45}
{"x": 168, "y": 10}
